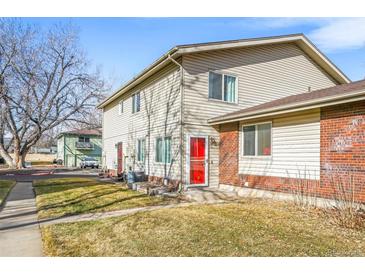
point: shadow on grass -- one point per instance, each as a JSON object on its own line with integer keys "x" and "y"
{"x": 81, "y": 198}
{"x": 94, "y": 209}
{"x": 48, "y": 189}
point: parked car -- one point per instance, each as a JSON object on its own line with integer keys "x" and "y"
{"x": 89, "y": 162}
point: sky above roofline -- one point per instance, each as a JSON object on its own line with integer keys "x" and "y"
{"x": 122, "y": 47}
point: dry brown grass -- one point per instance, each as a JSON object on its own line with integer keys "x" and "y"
{"x": 70, "y": 196}
{"x": 250, "y": 228}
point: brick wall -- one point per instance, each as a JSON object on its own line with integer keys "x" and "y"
{"x": 228, "y": 154}
{"x": 343, "y": 149}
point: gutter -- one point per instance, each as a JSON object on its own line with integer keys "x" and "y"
{"x": 181, "y": 116}
{"x": 322, "y": 102}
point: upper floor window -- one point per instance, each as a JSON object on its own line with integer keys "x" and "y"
{"x": 223, "y": 87}
{"x": 136, "y": 102}
{"x": 83, "y": 139}
{"x": 121, "y": 107}
{"x": 140, "y": 150}
{"x": 163, "y": 150}
{"x": 257, "y": 140}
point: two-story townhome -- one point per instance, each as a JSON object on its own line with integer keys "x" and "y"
{"x": 73, "y": 146}
{"x": 244, "y": 113}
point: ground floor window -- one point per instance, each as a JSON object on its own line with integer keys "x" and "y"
{"x": 163, "y": 150}
{"x": 257, "y": 140}
{"x": 140, "y": 150}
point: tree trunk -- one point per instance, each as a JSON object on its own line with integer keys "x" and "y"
{"x": 21, "y": 163}
{"x": 6, "y": 156}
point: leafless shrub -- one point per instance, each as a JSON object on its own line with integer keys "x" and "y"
{"x": 303, "y": 188}
{"x": 346, "y": 212}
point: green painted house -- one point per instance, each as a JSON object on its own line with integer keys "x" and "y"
{"x": 73, "y": 146}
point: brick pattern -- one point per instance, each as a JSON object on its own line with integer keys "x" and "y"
{"x": 343, "y": 150}
{"x": 342, "y": 158}
{"x": 228, "y": 154}
{"x": 281, "y": 184}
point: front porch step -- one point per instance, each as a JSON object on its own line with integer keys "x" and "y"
{"x": 209, "y": 194}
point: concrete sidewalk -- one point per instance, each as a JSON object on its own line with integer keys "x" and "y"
{"x": 19, "y": 229}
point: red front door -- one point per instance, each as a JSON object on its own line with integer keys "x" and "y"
{"x": 120, "y": 158}
{"x": 197, "y": 160}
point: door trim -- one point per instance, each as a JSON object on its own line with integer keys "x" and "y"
{"x": 187, "y": 172}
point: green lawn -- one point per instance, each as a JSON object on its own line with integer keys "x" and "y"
{"x": 250, "y": 228}
{"x": 70, "y": 196}
{"x": 5, "y": 187}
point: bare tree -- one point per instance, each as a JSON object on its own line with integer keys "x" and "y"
{"x": 91, "y": 121}
{"x": 45, "y": 80}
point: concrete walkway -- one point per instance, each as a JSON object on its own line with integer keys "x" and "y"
{"x": 19, "y": 229}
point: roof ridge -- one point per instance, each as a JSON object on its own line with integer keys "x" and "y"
{"x": 239, "y": 40}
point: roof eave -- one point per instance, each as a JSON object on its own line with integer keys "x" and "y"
{"x": 303, "y": 42}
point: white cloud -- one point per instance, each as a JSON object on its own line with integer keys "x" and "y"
{"x": 329, "y": 34}
{"x": 287, "y": 22}
{"x": 277, "y": 22}
{"x": 339, "y": 34}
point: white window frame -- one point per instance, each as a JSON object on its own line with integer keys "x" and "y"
{"x": 222, "y": 88}
{"x": 163, "y": 142}
{"x": 83, "y": 137}
{"x": 134, "y": 105}
{"x": 121, "y": 107}
{"x": 256, "y": 141}
{"x": 144, "y": 148}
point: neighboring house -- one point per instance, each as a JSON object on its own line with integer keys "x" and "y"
{"x": 262, "y": 113}
{"x": 73, "y": 146}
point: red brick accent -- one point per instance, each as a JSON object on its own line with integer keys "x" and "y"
{"x": 228, "y": 167}
{"x": 342, "y": 157}
{"x": 281, "y": 184}
{"x": 228, "y": 154}
{"x": 343, "y": 149}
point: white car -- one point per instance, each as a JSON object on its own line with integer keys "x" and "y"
{"x": 89, "y": 162}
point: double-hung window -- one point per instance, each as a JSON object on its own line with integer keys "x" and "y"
{"x": 163, "y": 150}
{"x": 120, "y": 107}
{"x": 223, "y": 87}
{"x": 140, "y": 150}
{"x": 136, "y": 102}
{"x": 83, "y": 139}
{"x": 257, "y": 140}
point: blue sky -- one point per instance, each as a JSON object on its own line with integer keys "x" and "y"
{"x": 124, "y": 46}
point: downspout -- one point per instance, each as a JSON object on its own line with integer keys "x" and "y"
{"x": 181, "y": 120}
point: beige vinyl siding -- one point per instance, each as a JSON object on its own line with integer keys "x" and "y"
{"x": 161, "y": 91}
{"x": 295, "y": 148}
{"x": 264, "y": 73}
